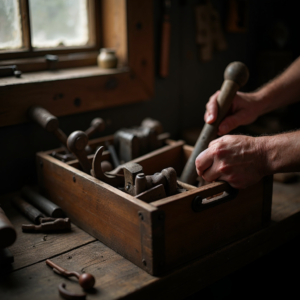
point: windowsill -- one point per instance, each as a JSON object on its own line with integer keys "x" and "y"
{"x": 63, "y": 74}
{"x": 88, "y": 88}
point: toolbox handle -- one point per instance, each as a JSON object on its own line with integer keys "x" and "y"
{"x": 200, "y": 204}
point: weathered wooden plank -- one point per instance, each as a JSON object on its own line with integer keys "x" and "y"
{"x": 117, "y": 278}
{"x": 91, "y": 93}
{"x": 32, "y": 247}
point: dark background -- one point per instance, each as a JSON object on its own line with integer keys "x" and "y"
{"x": 179, "y": 104}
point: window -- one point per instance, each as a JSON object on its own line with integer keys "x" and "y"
{"x": 126, "y": 26}
{"x": 33, "y": 28}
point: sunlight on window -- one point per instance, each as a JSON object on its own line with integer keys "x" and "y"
{"x": 58, "y": 23}
{"x": 10, "y": 26}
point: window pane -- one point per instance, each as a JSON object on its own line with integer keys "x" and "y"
{"x": 10, "y": 27}
{"x": 58, "y": 23}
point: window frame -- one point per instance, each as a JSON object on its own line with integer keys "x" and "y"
{"x": 77, "y": 90}
{"x": 29, "y": 52}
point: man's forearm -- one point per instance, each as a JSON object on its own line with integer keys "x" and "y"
{"x": 281, "y": 152}
{"x": 281, "y": 91}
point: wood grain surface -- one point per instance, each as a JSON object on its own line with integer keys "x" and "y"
{"x": 31, "y": 248}
{"x": 117, "y": 278}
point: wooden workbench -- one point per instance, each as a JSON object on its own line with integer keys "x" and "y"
{"x": 117, "y": 278}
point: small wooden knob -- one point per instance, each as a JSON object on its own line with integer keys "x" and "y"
{"x": 237, "y": 72}
{"x": 97, "y": 124}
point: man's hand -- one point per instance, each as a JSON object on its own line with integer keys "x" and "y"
{"x": 244, "y": 110}
{"x": 237, "y": 159}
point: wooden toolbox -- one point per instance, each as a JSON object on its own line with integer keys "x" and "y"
{"x": 163, "y": 234}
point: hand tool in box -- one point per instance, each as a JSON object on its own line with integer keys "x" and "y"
{"x": 236, "y": 75}
{"x": 133, "y": 142}
{"x": 113, "y": 154}
{"x": 136, "y": 182}
{"x": 77, "y": 142}
{"x": 98, "y": 172}
{"x": 41, "y": 222}
{"x": 51, "y": 124}
{"x": 97, "y": 125}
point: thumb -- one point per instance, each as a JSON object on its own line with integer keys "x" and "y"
{"x": 211, "y": 109}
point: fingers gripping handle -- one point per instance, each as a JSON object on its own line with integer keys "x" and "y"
{"x": 235, "y": 76}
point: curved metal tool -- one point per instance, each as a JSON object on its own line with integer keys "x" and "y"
{"x": 86, "y": 280}
{"x": 69, "y": 295}
{"x": 77, "y": 141}
{"x": 97, "y": 172}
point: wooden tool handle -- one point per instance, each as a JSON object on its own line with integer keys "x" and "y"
{"x": 97, "y": 124}
{"x": 235, "y": 76}
{"x": 8, "y": 233}
{"x": 43, "y": 118}
{"x": 49, "y": 122}
{"x": 76, "y": 143}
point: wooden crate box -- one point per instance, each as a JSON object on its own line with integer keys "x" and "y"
{"x": 159, "y": 235}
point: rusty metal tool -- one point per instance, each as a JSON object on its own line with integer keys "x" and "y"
{"x": 85, "y": 280}
{"x": 153, "y": 124}
{"x": 113, "y": 154}
{"x": 69, "y": 295}
{"x": 77, "y": 141}
{"x": 8, "y": 233}
{"x": 45, "y": 205}
{"x": 155, "y": 193}
{"x": 97, "y": 124}
{"x": 235, "y": 76}
{"x": 41, "y": 222}
{"x": 27, "y": 209}
{"x": 63, "y": 157}
{"x": 49, "y": 122}
{"x": 133, "y": 142}
{"x": 99, "y": 173}
{"x": 48, "y": 225}
{"x": 136, "y": 182}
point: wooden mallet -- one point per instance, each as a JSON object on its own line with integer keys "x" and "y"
{"x": 235, "y": 76}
